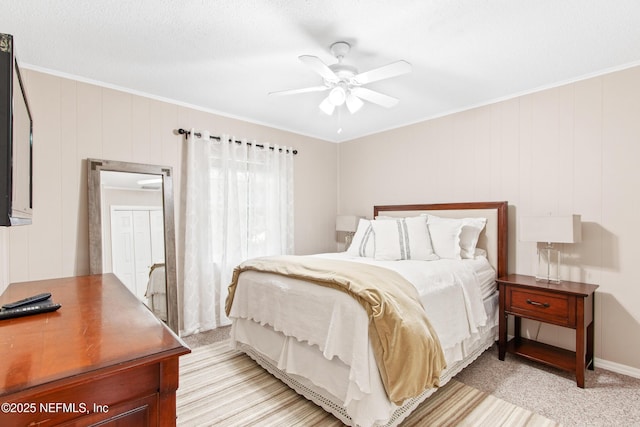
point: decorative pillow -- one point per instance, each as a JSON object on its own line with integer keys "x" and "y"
{"x": 471, "y": 229}
{"x": 470, "y": 234}
{"x": 445, "y": 237}
{"x": 480, "y": 253}
{"x": 363, "y": 243}
{"x": 402, "y": 238}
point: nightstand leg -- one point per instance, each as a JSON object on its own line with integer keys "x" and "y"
{"x": 502, "y": 325}
{"x": 580, "y": 344}
{"x": 589, "y": 360}
{"x": 502, "y": 336}
{"x": 590, "y": 352}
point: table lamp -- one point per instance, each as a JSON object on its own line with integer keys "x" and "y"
{"x": 347, "y": 224}
{"x": 550, "y": 230}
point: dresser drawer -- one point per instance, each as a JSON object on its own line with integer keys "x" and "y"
{"x": 124, "y": 394}
{"x": 550, "y": 307}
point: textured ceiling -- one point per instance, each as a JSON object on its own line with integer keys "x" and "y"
{"x": 224, "y": 56}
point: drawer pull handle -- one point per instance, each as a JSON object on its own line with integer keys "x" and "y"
{"x": 539, "y": 304}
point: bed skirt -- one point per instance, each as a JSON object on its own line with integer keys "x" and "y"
{"x": 334, "y": 405}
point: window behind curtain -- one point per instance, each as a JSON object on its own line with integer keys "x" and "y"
{"x": 239, "y": 206}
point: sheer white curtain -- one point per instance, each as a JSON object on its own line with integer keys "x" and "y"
{"x": 239, "y": 205}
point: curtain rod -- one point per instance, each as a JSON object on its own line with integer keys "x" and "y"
{"x": 217, "y": 138}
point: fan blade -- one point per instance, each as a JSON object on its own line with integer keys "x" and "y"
{"x": 319, "y": 67}
{"x": 386, "y": 71}
{"x": 353, "y": 103}
{"x": 303, "y": 90}
{"x": 327, "y": 106}
{"x": 374, "y": 97}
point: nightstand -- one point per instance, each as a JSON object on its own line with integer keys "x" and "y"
{"x": 568, "y": 304}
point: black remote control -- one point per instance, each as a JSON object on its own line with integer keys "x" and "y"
{"x": 29, "y": 300}
{"x": 26, "y": 310}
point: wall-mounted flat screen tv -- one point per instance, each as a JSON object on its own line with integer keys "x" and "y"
{"x": 16, "y": 141}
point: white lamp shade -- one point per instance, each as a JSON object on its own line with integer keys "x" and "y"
{"x": 347, "y": 223}
{"x": 551, "y": 229}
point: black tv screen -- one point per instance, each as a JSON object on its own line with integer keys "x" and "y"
{"x": 16, "y": 141}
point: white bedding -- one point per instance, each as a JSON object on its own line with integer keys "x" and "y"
{"x": 298, "y": 314}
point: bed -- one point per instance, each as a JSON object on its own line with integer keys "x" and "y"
{"x": 156, "y": 293}
{"x": 318, "y": 339}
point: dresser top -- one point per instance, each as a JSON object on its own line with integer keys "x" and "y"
{"x": 101, "y": 327}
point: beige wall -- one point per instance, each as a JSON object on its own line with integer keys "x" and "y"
{"x": 572, "y": 149}
{"x": 74, "y": 121}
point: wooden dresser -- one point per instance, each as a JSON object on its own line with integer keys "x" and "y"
{"x": 102, "y": 358}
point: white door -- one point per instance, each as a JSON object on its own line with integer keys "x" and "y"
{"x": 156, "y": 224}
{"x": 122, "y": 255}
{"x": 142, "y": 250}
{"x": 137, "y": 242}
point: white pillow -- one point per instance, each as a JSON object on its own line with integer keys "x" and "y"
{"x": 363, "y": 243}
{"x": 480, "y": 253}
{"x": 402, "y": 238}
{"x": 471, "y": 229}
{"x": 445, "y": 237}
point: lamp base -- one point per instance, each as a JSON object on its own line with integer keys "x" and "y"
{"x": 348, "y": 238}
{"x": 548, "y": 279}
{"x": 548, "y": 264}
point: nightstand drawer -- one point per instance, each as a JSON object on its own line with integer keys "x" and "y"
{"x": 544, "y": 306}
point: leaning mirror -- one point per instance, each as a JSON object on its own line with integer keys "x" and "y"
{"x": 132, "y": 232}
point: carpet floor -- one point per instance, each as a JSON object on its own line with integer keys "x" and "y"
{"x": 222, "y": 387}
{"x": 608, "y": 399}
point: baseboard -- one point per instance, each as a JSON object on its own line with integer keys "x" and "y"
{"x": 617, "y": 368}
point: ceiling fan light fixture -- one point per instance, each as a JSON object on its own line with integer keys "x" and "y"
{"x": 327, "y": 106}
{"x": 354, "y": 104}
{"x": 337, "y": 96}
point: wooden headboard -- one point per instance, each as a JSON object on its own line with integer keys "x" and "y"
{"x": 494, "y": 237}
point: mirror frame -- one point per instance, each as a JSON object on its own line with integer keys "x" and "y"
{"x": 94, "y": 167}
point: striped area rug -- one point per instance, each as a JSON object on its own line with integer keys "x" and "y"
{"x": 222, "y": 387}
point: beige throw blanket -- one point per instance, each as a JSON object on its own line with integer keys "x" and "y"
{"x": 406, "y": 348}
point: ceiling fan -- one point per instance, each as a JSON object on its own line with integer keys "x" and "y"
{"x": 345, "y": 84}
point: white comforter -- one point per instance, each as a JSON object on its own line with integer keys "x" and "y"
{"x": 450, "y": 291}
